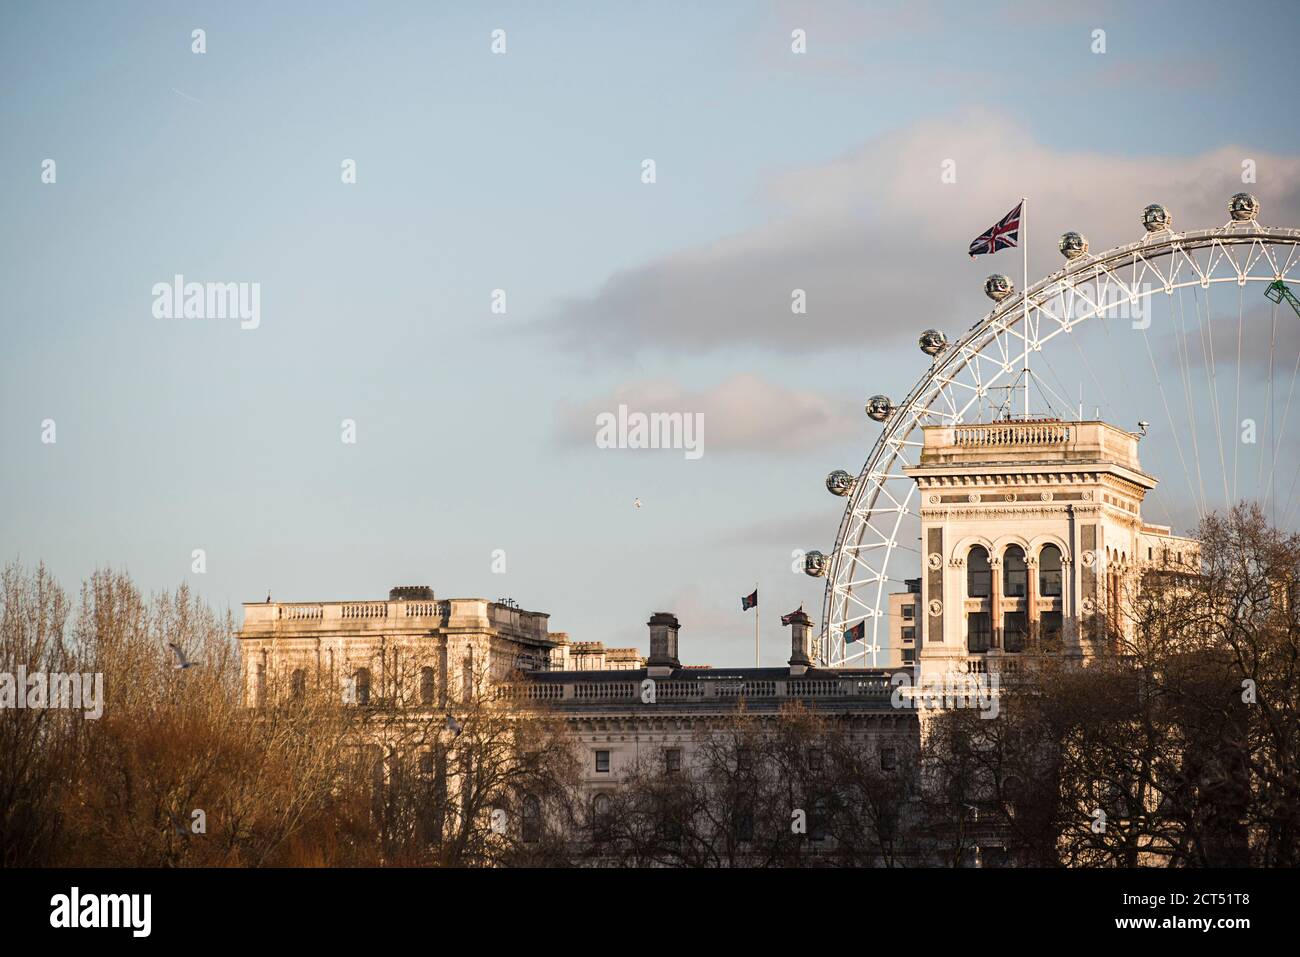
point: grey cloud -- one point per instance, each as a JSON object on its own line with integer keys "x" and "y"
{"x": 878, "y": 242}
{"x": 743, "y": 413}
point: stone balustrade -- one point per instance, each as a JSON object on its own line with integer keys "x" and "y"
{"x": 875, "y": 688}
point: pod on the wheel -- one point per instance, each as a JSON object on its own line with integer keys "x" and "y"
{"x": 839, "y": 482}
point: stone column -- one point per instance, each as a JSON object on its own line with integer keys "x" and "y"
{"x": 995, "y": 603}
{"x": 1031, "y": 600}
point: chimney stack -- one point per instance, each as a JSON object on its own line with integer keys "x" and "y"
{"x": 800, "y": 642}
{"x": 663, "y": 659}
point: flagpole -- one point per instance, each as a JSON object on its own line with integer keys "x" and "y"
{"x": 756, "y": 664}
{"x": 1024, "y": 289}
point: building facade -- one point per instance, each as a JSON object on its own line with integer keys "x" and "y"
{"x": 412, "y": 649}
{"x": 904, "y": 624}
{"x": 1029, "y": 532}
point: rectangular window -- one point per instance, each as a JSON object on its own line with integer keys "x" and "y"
{"x": 1016, "y": 582}
{"x": 1049, "y": 583}
{"x": 602, "y": 762}
{"x": 909, "y": 634}
{"x": 426, "y": 763}
{"x": 909, "y": 612}
{"x": 1051, "y": 625}
{"x": 979, "y": 583}
{"x": 673, "y": 760}
{"x": 978, "y": 631}
{"x": 888, "y": 759}
{"x": 1014, "y": 625}
{"x": 909, "y": 656}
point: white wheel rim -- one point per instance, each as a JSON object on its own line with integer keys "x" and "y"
{"x": 959, "y": 381}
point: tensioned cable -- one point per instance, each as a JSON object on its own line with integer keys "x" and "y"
{"x": 1173, "y": 427}
{"x": 1277, "y": 439}
{"x": 1101, "y": 391}
{"x": 1211, "y": 372}
{"x": 1184, "y": 365}
{"x": 1236, "y": 408}
{"x": 1042, "y": 384}
{"x": 1269, "y": 420}
{"x": 1128, "y": 388}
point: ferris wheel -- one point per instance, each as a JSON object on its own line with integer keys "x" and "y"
{"x": 1152, "y": 329}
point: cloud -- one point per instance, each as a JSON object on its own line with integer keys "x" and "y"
{"x": 809, "y": 530}
{"x": 1263, "y": 336}
{"x": 878, "y": 242}
{"x": 743, "y": 413}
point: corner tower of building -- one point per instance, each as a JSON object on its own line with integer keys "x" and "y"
{"x": 1026, "y": 530}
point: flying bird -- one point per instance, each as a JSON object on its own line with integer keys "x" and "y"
{"x": 636, "y": 503}
{"x": 181, "y": 660}
{"x": 454, "y": 726}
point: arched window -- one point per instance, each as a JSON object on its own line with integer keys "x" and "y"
{"x": 298, "y": 684}
{"x": 361, "y": 681}
{"x": 532, "y": 819}
{"x": 1015, "y": 578}
{"x": 979, "y": 576}
{"x": 426, "y": 687}
{"x": 979, "y": 584}
{"x": 1049, "y": 572}
{"x": 600, "y": 817}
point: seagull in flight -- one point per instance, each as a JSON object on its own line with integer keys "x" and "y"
{"x": 454, "y": 726}
{"x": 636, "y": 503}
{"x": 181, "y": 661}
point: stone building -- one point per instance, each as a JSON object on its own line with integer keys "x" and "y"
{"x": 591, "y": 656}
{"x": 904, "y": 622}
{"x": 619, "y": 717}
{"x": 1029, "y": 529}
{"x": 410, "y": 649}
{"x": 416, "y": 651}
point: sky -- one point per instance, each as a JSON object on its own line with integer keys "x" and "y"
{"x": 523, "y": 171}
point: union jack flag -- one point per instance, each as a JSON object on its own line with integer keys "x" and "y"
{"x": 1002, "y": 235}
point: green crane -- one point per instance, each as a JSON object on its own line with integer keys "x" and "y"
{"x": 1277, "y": 291}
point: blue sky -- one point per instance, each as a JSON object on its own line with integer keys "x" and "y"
{"x": 522, "y": 172}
